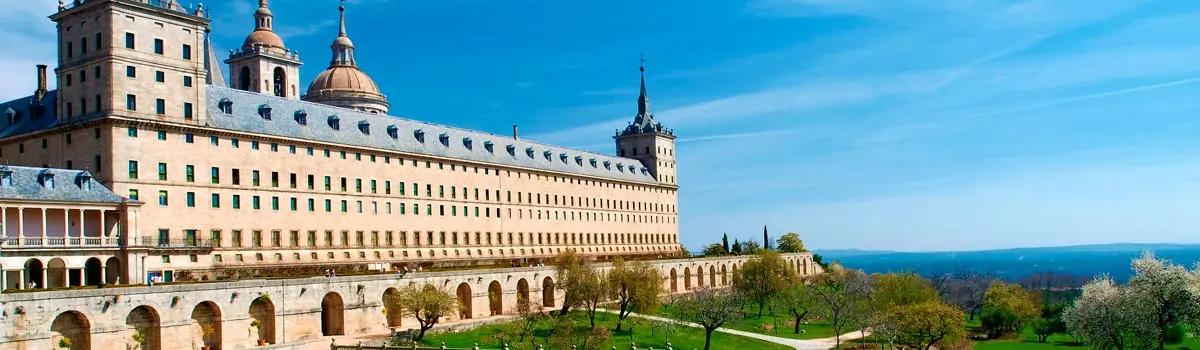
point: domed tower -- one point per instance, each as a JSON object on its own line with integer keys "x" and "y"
{"x": 343, "y": 84}
{"x": 648, "y": 141}
{"x": 263, "y": 64}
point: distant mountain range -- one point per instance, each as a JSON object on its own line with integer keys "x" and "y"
{"x": 1015, "y": 263}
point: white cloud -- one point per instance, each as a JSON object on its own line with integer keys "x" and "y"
{"x": 294, "y": 31}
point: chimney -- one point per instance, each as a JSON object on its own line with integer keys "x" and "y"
{"x": 515, "y": 132}
{"x": 41, "y": 82}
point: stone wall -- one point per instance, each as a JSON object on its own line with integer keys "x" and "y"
{"x": 302, "y": 309}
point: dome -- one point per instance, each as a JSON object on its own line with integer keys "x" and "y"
{"x": 262, "y": 37}
{"x": 343, "y": 41}
{"x": 343, "y": 79}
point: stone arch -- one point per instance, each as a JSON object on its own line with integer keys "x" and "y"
{"x": 548, "y": 292}
{"x": 75, "y": 326}
{"x": 724, "y": 276}
{"x": 207, "y": 318}
{"x": 262, "y": 310}
{"x": 144, "y": 320}
{"x": 280, "y": 82}
{"x": 805, "y": 261}
{"x": 244, "y": 79}
{"x": 712, "y": 275}
{"x": 333, "y": 320}
{"x": 112, "y": 271}
{"x": 523, "y": 289}
{"x": 735, "y": 271}
{"x": 687, "y": 278}
{"x": 56, "y": 273}
{"x": 464, "y": 301}
{"x": 393, "y": 314}
{"x": 495, "y": 298}
{"x": 91, "y": 272}
{"x": 34, "y": 273}
{"x": 674, "y": 281}
{"x": 699, "y": 276}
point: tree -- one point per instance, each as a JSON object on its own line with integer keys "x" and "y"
{"x": 841, "y": 293}
{"x": 737, "y": 248}
{"x": 762, "y": 278}
{"x": 750, "y": 247}
{"x": 1168, "y": 295}
{"x": 1008, "y": 308}
{"x": 904, "y": 289}
{"x": 593, "y": 291}
{"x": 713, "y": 249}
{"x": 1104, "y": 315}
{"x": 928, "y": 323}
{"x": 708, "y": 307}
{"x": 426, "y": 303}
{"x": 683, "y": 251}
{"x": 725, "y": 242}
{"x": 634, "y": 287}
{"x": 798, "y": 300}
{"x": 531, "y": 315}
{"x": 963, "y": 289}
{"x": 790, "y": 243}
{"x": 766, "y": 239}
{"x": 572, "y": 272}
{"x": 1050, "y": 323}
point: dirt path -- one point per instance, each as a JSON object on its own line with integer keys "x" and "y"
{"x": 800, "y": 344}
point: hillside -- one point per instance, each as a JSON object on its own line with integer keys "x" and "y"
{"x": 1012, "y": 264}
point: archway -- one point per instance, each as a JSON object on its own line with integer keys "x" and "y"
{"x": 735, "y": 272}
{"x": 74, "y": 326}
{"x": 34, "y": 271}
{"x": 724, "y": 276}
{"x": 548, "y": 292}
{"x": 805, "y": 266}
{"x": 280, "y": 82}
{"x": 699, "y": 276}
{"x": 464, "y": 301}
{"x": 144, "y": 322}
{"x": 91, "y": 272}
{"x": 712, "y": 276}
{"x": 523, "y": 290}
{"x": 207, "y": 318}
{"x": 244, "y": 79}
{"x": 332, "y": 315}
{"x": 495, "y": 298}
{"x": 674, "y": 282}
{"x": 262, "y": 315}
{"x": 56, "y": 273}
{"x": 687, "y": 278}
{"x": 112, "y": 271}
{"x": 393, "y": 314}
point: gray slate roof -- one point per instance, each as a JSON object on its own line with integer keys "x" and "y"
{"x": 405, "y": 135}
{"x": 27, "y": 115}
{"x": 69, "y": 186}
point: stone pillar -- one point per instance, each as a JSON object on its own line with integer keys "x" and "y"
{"x": 22, "y": 284}
{"x": 104, "y": 271}
{"x": 82, "y": 227}
{"x": 45, "y": 275}
{"x": 4, "y": 222}
{"x": 43, "y": 226}
{"x": 21, "y": 225}
{"x": 103, "y": 224}
{"x": 66, "y": 227}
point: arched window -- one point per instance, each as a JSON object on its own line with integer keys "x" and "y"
{"x": 244, "y": 79}
{"x": 280, "y": 82}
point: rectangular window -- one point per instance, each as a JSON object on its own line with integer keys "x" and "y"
{"x": 133, "y": 170}
{"x": 216, "y": 175}
{"x": 187, "y": 52}
{"x": 292, "y": 180}
{"x": 254, "y": 203}
{"x": 216, "y": 200}
{"x": 158, "y": 46}
{"x": 236, "y": 177}
{"x": 213, "y": 140}
{"x": 189, "y": 138}
{"x": 190, "y": 173}
{"x": 129, "y": 41}
{"x": 328, "y": 186}
{"x": 160, "y": 76}
{"x": 274, "y": 203}
{"x": 312, "y": 205}
{"x": 274, "y": 179}
{"x": 131, "y": 102}
{"x": 191, "y": 199}
{"x": 236, "y": 237}
{"x": 162, "y": 198}
{"x": 162, "y": 171}
{"x": 133, "y": 194}
{"x": 254, "y": 177}
{"x": 187, "y": 110}
{"x": 162, "y": 135}
{"x": 160, "y": 106}
{"x": 293, "y": 203}
{"x": 130, "y": 72}
{"x": 237, "y": 201}
{"x": 187, "y": 81}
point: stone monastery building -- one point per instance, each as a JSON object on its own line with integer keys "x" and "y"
{"x": 146, "y": 164}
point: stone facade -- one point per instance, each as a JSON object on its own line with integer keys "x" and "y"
{"x": 293, "y": 310}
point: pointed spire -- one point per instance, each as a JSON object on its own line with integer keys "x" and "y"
{"x": 643, "y": 99}
{"x": 342, "y": 19}
{"x": 343, "y": 48}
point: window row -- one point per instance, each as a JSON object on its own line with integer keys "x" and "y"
{"x": 376, "y": 239}
{"x": 457, "y": 253}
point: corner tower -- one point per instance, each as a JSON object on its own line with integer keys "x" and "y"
{"x": 343, "y": 84}
{"x": 263, "y": 64}
{"x": 648, "y": 141}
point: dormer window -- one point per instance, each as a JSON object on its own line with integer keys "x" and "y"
{"x": 512, "y": 150}
{"x": 467, "y": 142}
{"x": 264, "y": 111}
{"x": 301, "y": 117}
{"x": 47, "y": 180}
{"x": 529, "y": 151}
{"x": 393, "y": 131}
{"x": 547, "y": 154}
{"x": 562, "y": 157}
{"x": 335, "y": 123}
{"x": 226, "y": 106}
{"x": 579, "y": 160}
{"x": 12, "y": 115}
{"x": 6, "y": 178}
{"x": 364, "y": 127}
{"x": 593, "y": 162}
{"x": 419, "y": 135}
{"x": 606, "y": 164}
{"x": 444, "y": 139}
{"x": 85, "y": 181}
{"x": 620, "y": 167}
{"x": 487, "y": 145}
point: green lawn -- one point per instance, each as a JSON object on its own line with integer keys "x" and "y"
{"x": 766, "y": 325}
{"x": 1028, "y": 340}
{"x": 684, "y": 338}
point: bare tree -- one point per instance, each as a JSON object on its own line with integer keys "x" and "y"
{"x": 709, "y": 307}
{"x": 843, "y": 295}
{"x": 963, "y": 289}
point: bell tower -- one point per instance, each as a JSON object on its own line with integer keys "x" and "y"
{"x": 648, "y": 141}
{"x": 263, "y": 64}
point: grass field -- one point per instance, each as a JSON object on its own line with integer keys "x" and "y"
{"x": 767, "y": 326}
{"x": 1028, "y": 340}
{"x": 684, "y": 338}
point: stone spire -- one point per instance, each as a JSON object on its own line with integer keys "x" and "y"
{"x": 643, "y": 99}
{"x": 343, "y": 48}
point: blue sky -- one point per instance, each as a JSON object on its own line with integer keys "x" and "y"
{"x": 899, "y": 124}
